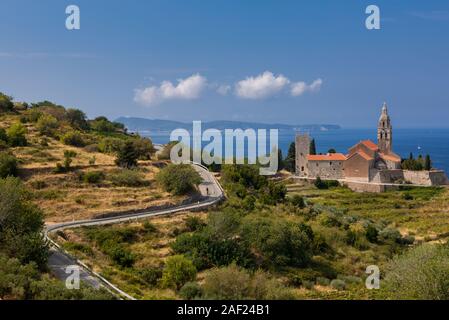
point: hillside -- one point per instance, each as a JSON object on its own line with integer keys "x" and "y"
{"x": 94, "y": 184}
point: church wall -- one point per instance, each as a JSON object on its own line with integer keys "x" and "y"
{"x": 326, "y": 169}
{"x": 357, "y": 168}
{"x": 426, "y": 178}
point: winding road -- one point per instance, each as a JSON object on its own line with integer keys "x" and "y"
{"x": 60, "y": 260}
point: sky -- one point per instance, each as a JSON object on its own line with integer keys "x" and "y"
{"x": 292, "y": 62}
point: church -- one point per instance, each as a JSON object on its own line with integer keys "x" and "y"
{"x": 365, "y": 162}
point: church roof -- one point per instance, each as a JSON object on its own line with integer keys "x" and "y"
{"x": 362, "y": 154}
{"x": 327, "y": 157}
{"x": 371, "y": 145}
{"x": 390, "y": 156}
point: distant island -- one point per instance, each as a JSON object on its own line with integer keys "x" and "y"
{"x": 143, "y": 125}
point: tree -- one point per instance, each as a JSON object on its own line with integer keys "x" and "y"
{"x": 178, "y": 271}
{"x": 280, "y": 160}
{"x": 290, "y": 160}
{"x": 127, "y": 155}
{"x": 77, "y": 119}
{"x": 144, "y": 148}
{"x": 427, "y": 163}
{"x": 16, "y": 135}
{"x": 312, "y": 147}
{"x": 6, "y": 103}
{"x": 21, "y": 224}
{"x": 47, "y": 124}
{"x": 8, "y": 165}
{"x": 278, "y": 242}
{"x": 178, "y": 179}
{"x": 332, "y": 150}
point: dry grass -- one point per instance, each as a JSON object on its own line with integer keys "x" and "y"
{"x": 63, "y": 197}
{"x": 150, "y": 251}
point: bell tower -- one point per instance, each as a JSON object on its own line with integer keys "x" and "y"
{"x": 384, "y": 131}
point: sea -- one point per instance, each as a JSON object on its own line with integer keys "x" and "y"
{"x": 434, "y": 142}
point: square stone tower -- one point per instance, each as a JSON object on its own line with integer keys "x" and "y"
{"x": 302, "y": 143}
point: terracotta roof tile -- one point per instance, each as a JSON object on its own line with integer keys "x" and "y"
{"x": 390, "y": 156}
{"x": 370, "y": 144}
{"x": 362, "y": 154}
{"x": 327, "y": 157}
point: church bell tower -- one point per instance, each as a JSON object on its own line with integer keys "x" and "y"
{"x": 384, "y": 131}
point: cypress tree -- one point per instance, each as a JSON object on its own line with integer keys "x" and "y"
{"x": 312, "y": 147}
{"x": 427, "y": 163}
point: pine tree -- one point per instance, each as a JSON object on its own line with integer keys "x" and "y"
{"x": 127, "y": 155}
{"x": 312, "y": 147}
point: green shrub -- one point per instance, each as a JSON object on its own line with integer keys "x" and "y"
{"x": 151, "y": 275}
{"x": 72, "y": 246}
{"x": 3, "y": 135}
{"x": 320, "y": 184}
{"x": 93, "y": 177}
{"x": 178, "y": 271}
{"x": 144, "y": 148}
{"x": 149, "y": 227}
{"x": 190, "y": 291}
{"x": 407, "y": 196}
{"x": 207, "y": 250}
{"x": 128, "y": 178}
{"x": 73, "y": 138}
{"x": 420, "y": 273}
{"x": 122, "y": 256}
{"x": 194, "y": 224}
{"x": 178, "y": 179}
{"x": 16, "y": 135}
{"x": 297, "y": 201}
{"x": 309, "y": 285}
{"x": 338, "y": 284}
{"x": 8, "y": 165}
{"x": 127, "y": 155}
{"x": 323, "y": 281}
{"x": 227, "y": 283}
{"x": 47, "y": 125}
{"x": 279, "y": 242}
{"x": 110, "y": 145}
{"x": 390, "y": 234}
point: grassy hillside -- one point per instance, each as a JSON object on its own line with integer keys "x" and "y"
{"x": 94, "y": 184}
{"x": 298, "y": 242}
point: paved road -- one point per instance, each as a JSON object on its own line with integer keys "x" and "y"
{"x": 60, "y": 260}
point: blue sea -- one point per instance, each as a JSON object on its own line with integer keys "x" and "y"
{"x": 434, "y": 142}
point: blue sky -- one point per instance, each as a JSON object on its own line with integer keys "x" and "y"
{"x": 321, "y": 64}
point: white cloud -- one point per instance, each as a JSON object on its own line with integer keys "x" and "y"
{"x": 224, "y": 89}
{"x": 299, "y": 88}
{"x": 186, "y": 89}
{"x": 261, "y": 86}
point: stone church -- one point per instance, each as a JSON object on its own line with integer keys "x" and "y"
{"x": 365, "y": 162}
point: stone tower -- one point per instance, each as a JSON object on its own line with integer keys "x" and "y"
{"x": 384, "y": 131}
{"x": 302, "y": 143}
